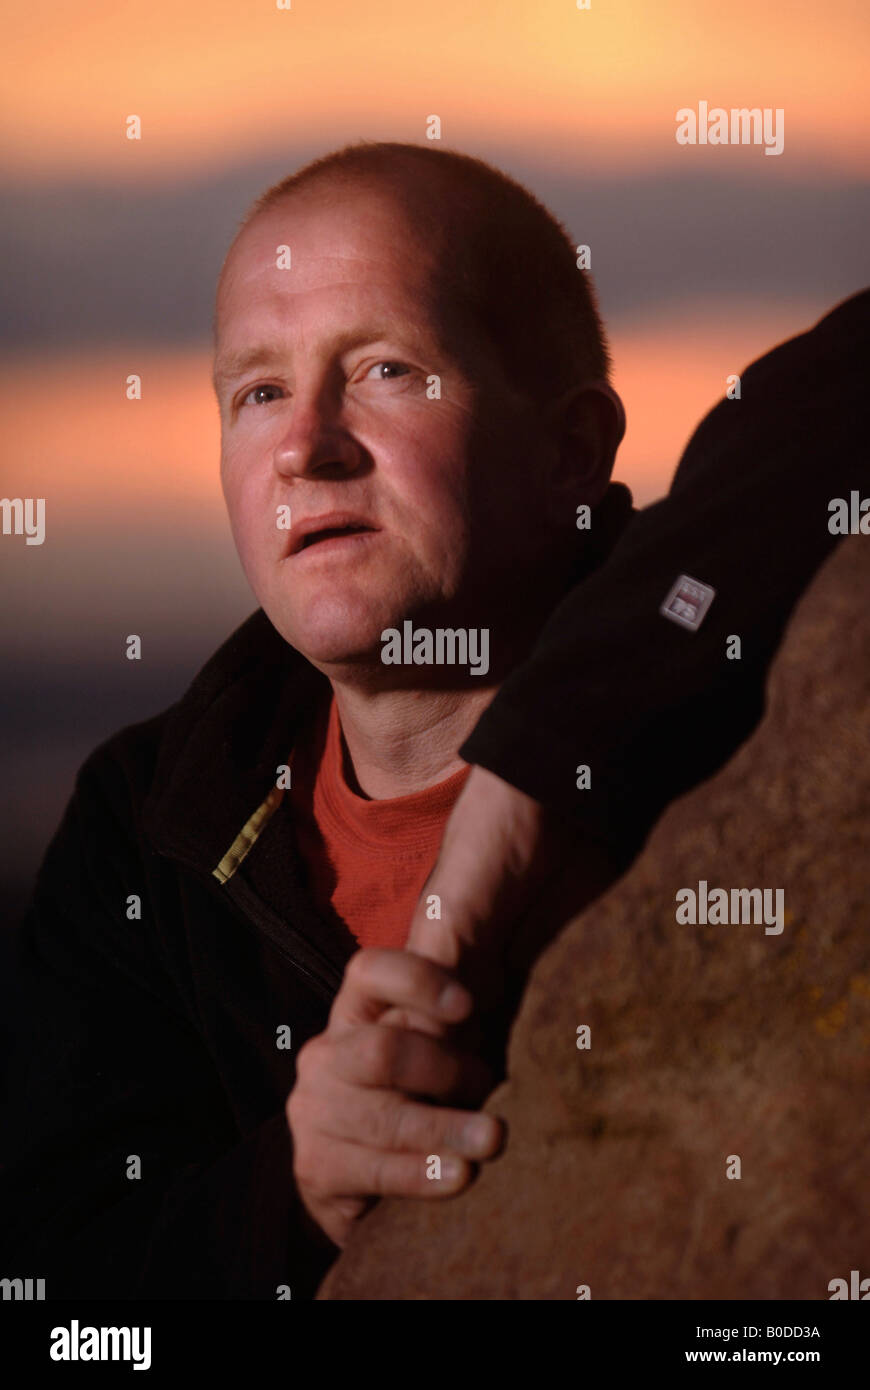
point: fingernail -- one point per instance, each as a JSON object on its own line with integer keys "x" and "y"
{"x": 479, "y": 1132}
{"x": 451, "y": 1167}
{"x": 454, "y": 1000}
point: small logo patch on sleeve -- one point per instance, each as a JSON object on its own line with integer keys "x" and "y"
{"x": 687, "y": 602}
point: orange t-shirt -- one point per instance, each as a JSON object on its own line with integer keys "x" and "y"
{"x": 367, "y": 860}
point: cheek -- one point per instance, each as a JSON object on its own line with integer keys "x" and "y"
{"x": 246, "y": 507}
{"x": 430, "y": 464}
{"x": 231, "y": 478}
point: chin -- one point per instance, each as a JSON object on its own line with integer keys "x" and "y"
{"x": 333, "y": 650}
{"x": 330, "y": 633}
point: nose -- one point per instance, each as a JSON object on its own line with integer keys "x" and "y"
{"x": 316, "y": 442}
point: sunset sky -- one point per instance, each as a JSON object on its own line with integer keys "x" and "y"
{"x": 704, "y": 257}
{"x": 214, "y": 79}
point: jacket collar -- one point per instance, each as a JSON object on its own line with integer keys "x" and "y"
{"x": 224, "y": 742}
{"x": 215, "y": 805}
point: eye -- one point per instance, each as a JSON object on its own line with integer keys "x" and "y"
{"x": 257, "y": 391}
{"x": 387, "y": 371}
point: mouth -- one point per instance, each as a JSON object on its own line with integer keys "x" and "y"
{"x": 339, "y": 533}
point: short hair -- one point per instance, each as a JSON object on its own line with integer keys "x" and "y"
{"x": 504, "y": 256}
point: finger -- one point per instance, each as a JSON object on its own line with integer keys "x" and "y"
{"x": 465, "y": 882}
{"x": 337, "y": 1218}
{"x": 394, "y": 1060}
{"x": 461, "y": 944}
{"x": 377, "y": 979}
{"x": 469, "y": 936}
{"x": 466, "y": 1037}
{"x": 350, "y": 1170}
{"x": 391, "y": 1121}
{"x": 441, "y": 939}
{"x": 495, "y": 848}
{"x": 412, "y": 1021}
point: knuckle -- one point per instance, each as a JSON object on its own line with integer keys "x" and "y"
{"x": 306, "y": 1170}
{"x": 363, "y": 967}
{"x": 427, "y": 978}
{"x": 399, "y": 1125}
{"x": 400, "y": 1018}
{"x": 313, "y": 1169}
{"x": 356, "y": 966}
{"x": 297, "y": 1113}
{"x": 309, "y": 1176}
{"x": 380, "y": 1052}
{"x": 308, "y": 1058}
{"x": 422, "y": 1127}
{"x": 380, "y": 1183}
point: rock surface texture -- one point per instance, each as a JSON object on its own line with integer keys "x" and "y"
{"x": 708, "y": 1042}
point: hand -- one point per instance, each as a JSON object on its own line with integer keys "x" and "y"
{"x": 509, "y": 875}
{"x": 359, "y": 1127}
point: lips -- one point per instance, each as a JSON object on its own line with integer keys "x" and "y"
{"x": 334, "y": 526}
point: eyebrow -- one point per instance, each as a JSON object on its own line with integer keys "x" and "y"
{"x": 229, "y": 366}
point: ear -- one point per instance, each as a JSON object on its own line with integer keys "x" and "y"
{"x": 586, "y": 425}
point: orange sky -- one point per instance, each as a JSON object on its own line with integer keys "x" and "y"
{"x": 94, "y": 453}
{"x": 136, "y": 534}
{"x": 215, "y": 79}
{"x": 212, "y": 79}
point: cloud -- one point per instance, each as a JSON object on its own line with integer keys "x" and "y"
{"x": 88, "y": 267}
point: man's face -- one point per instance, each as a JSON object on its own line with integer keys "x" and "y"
{"x": 323, "y": 373}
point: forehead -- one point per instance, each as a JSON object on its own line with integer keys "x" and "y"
{"x": 349, "y": 250}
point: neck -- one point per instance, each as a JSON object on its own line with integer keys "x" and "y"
{"x": 402, "y": 741}
{"x": 403, "y": 738}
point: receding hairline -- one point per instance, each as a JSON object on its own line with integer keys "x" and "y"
{"x": 395, "y": 169}
{"x": 337, "y": 180}
{"x": 479, "y": 224}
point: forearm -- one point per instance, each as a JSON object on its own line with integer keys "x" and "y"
{"x": 650, "y": 707}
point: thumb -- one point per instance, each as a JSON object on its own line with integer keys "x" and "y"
{"x": 449, "y": 928}
{"x": 437, "y": 926}
{"x": 453, "y": 919}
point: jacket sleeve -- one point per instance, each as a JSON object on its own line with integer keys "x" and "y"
{"x": 109, "y": 1070}
{"x": 651, "y": 707}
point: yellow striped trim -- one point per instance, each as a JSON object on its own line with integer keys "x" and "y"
{"x": 248, "y": 836}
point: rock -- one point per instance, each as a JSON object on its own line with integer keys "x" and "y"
{"x": 707, "y": 1042}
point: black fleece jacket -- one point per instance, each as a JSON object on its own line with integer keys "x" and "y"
{"x": 172, "y": 940}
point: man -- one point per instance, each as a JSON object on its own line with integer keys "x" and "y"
{"x": 399, "y": 443}
{"x": 411, "y": 418}
{"x": 450, "y": 507}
